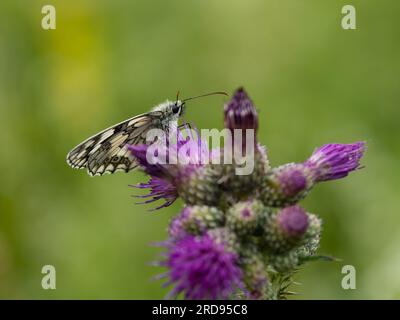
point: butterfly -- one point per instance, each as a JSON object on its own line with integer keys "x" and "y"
{"x": 107, "y": 151}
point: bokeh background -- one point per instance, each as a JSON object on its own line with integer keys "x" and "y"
{"x": 312, "y": 81}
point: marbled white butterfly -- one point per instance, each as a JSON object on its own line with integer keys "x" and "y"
{"x": 107, "y": 152}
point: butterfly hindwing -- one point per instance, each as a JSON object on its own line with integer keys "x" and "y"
{"x": 107, "y": 152}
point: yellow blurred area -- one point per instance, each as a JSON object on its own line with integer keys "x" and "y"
{"x": 312, "y": 81}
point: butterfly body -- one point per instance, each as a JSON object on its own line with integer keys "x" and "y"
{"x": 107, "y": 151}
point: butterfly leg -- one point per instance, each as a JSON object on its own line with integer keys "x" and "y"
{"x": 186, "y": 125}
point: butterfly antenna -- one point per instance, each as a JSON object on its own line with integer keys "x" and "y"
{"x": 206, "y": 95}
{"x": 177, "y": 96}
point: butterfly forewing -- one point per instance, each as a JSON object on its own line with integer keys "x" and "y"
{"x": 107, "y": 151}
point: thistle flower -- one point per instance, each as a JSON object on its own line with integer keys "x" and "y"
{"x": 288, "y": 184}
{"x": 159, "y": 189}
{"x": 202, "y": 268}
{"x": 184, "y": 178}
{"x": 335, "y": 161}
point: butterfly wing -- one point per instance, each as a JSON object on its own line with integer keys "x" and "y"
{"x": 107, "y": 152}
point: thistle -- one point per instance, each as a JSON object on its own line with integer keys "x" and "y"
{"x": 239, "y": 235}
{"x": 285, "y": 229}
{"x": 191, "y": 180}
{"x": 289, "y": 183}
{"x": 202, "y": 267}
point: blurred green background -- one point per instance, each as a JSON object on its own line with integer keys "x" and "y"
{"x": 312, "y": 81}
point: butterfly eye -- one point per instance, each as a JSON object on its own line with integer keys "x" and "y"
{"x": 175, "y": 108}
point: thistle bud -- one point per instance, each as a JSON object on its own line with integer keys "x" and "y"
{"x": 293, "y": 222}
{"x": 244, "y": 217}
{"x": 240, "y": 112}
{"x": 286, "y": 185}
{"x": 195, "y": 220}
{"x": 285, "y": 229}
{"x": 249, "y": 159}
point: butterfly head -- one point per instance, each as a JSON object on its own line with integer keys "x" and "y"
{"x": 171, "y": 110}
{"x": 177, "y": 108}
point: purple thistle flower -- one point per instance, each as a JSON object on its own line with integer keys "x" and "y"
{"x": 293, "y": 221}
{"x": 160, "y": 184}
{"x": 190, "y": 153}
{"x": 159, "y": 189}
{"x": 202, "y": 268}
{"x": 288, "y": 184}
{"x": 335, "y": 161}
{"x": 152, "y": 168}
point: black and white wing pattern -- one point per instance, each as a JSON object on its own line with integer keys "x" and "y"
{"x": 107, "y": 151}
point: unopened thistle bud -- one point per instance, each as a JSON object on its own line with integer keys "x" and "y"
{"x": 250, "y": 161}
{"x": 285, "y": 229}
{"x": 240, "y": 113}
{"x": 244, "y": 217}
{"x": 293, "y": 222}
{"x": 195, "y": 220}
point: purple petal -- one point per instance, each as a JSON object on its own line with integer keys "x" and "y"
{"x": 335, "y": 161}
